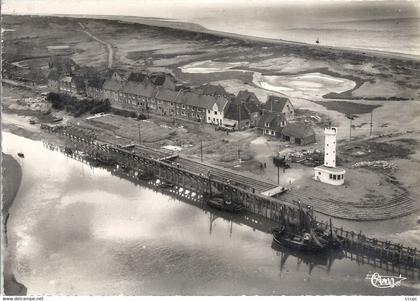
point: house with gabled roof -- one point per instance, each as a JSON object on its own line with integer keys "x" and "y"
{"x": 53, "y": 81}
{"x": 271, "y": 124}
{"x": 94, "y": 87}
{"x": 213, "y": 90}
{"x": 279, "y": 105}
{"x": 111, "y": 89}
{"x": 163, "y": 80}
{"x": 138, "y": 77}
{"x": 298, "y": 133}
{"x": 237, "y": 115}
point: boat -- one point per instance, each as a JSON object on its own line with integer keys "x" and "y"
{"x": 329, "y": 237}
{"x": 166, "y": 185}
{"x": 146, "y": 176}
{"x": 305, "y": 242}
{"x": 299, "y": 232}
{"x": 21, "y": 155}
{"x": 224, "y": 205}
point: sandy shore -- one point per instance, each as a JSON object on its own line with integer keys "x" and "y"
{"x": 12, "y": 176}
{"x": 188, "y": 26}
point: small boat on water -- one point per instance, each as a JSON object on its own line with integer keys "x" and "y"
{"x": 166, "y": 185}
{"x": 225, "y": 205}
{"x": 146, "y": 176}
{"x": 305, "y": 242}
{"x": 21, "y": 155}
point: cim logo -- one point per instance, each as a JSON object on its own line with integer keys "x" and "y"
{"x": 384, "y": 281}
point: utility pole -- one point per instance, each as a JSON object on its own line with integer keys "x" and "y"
{"x": 371, "y": 122}
{"x": 201, "y": 150}
{"x": 139, "y": 134}
{"x": 239, "y": 113}
{"x": 278, "y": 175}
{"x": 239, "y": 155}
{"x": 350, "y": 117}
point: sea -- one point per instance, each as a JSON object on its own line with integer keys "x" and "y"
{"x": 373, "y": 26}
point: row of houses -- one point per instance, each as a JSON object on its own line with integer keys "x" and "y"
{"x": 158, "y": 93}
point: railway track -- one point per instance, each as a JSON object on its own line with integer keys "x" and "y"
{"x": 197, "y": 167}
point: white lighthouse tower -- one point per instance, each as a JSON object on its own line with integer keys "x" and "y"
{"x": 329, "y": 172}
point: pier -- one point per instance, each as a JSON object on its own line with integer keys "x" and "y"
{"x": 193, "y": 180}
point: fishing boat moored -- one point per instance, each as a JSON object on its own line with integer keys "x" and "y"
{"x": 305, "y": 242}
{"x": 224, "y": 205}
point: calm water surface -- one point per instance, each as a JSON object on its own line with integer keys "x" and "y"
{"x": 79, "y": 230}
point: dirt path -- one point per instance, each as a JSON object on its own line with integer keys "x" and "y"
{"x": 108, "y": 46}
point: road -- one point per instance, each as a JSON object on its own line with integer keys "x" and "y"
{"x": 108, "y": 46}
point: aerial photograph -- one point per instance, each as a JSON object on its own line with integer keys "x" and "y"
{"x": 210, "y": 148}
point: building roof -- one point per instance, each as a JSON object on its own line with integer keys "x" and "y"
{"x": 233, "y": 111}
{"x": 298, "y": 130}
{"x": 66, "y": 79}
{"x": 201, "y": 101}
{"x": 137, "y": 77}
{"x": 95, "y": 82}
{"x": 332, "y": 170}
{"x": 213, "y": 90}
{"x": 275, "y": 121}
{"x": 112, "y": 85}
{"x": 53, "y": 75}
{"x": 160, "y": 78}
{"x": 275, "y": 103}
{"x": 252, "y": 107}
{"x": 246, "y": 96}
{"x": 140, "y": 89}
{"x": 167, "y": 95}
{"x": 78, "y": 82}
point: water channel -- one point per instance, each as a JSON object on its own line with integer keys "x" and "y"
{"x": 75, "y": 229}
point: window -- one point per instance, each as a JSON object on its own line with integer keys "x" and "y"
{"x": 209, "y": 118}
{"x": 319, "y": 173}
{"x": 192, "y": 114}
{"x": 183, "y": 106}
{"x": 330, "y": 176}
{"x": 267, "y": 124}
{"x": 272, "y": 133}
{"x": 183, "y": 113}
{"x": 214, "y": 119}
{"x": 215, "y": 112}
{"x": 208, "y": 111}
{"x": 334, "y": 177}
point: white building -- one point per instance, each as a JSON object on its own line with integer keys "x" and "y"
{"x": 329, "y": 173}
{"x": 215, "y": 115}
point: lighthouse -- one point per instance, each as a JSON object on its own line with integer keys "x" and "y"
{"x": 329, "y": 173}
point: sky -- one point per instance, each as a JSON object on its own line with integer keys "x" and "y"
{"x": 176, "y": 9}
